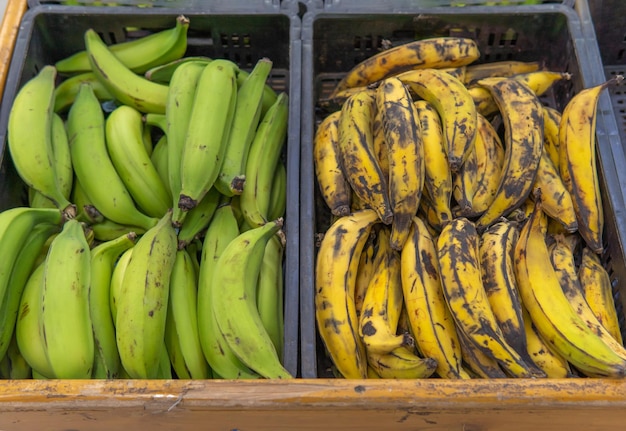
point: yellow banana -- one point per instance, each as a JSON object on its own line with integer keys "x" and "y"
{"x": 598, "y": 291}
{"x": 359, "y": 163}
{"x": 498, "y": 274}
{"x": 338, "y": 259}
{"x": 401, "y": 363}
{"x": 333, "y": 185}
{"x": 551, "y": 121}
{"x": 437, "y": 176}
{"x": 455, "y": 106}
{"x": 577, "y": 161}
{"x": 378, "y": 320}
{"x": 523, "y": 142}
{"x": 542, "y": 354}
{"x": 371, "y": 257}
{"x": 381, "y": 149}
{"x": 465, "y": 294}
{"x": 430, "y": 320}
{"x": 541, "y": 81}
{"x": 405, "y": 154}
{"x": 550, "y": 310}
{"x": 563, "y": 261}
{"x": 477, "y": 361}
{"x": 465, "y": 182}
{"x": 474, "y": 72}
{"x": 426, "y": 53}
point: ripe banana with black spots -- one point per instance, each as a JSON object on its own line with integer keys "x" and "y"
{"x": 598, "y": 291}
{"x": 401, "y": 363}
{"x": 142, "y": 300}
{"x": 523, "y": 141}
{"x": 92, "y": 164}
{"x": 431, "y": 323}
{"x": 380, "y": 312}
{"x": 231, "y": 178}
{"x": 437, "y": 175}
{"x": 578, "y": 164}
{"x": 29, "y": 137}
{"x": 124, "y": 84}
{"x": 478, "y": 363}
{"x": 465, "y": 182}
{"x": 475, "y": 72}
{"x": 124, "y": 142}
{"x": 263, "y": 157}
{"x": 400, "y": 125}
{"x": 371, "y": 257}
{"x": 103, "y": 259}
{"x": 497, "y": 266}
{"x": 360, "y": 165}
{"x": 66, "y": 326}
{"x": 426, "y": 53}
{"x": 207, "y": 134}
{"x": 455, "y": 106}
{"x": 220, "y": 232}
{"x": 140, "y": 54}
{"x": 236, "y": 308}
{"x": 338, "y": 259}
{"x": 550, "y": 310}
{"x": 333, "y": 185}
{"x": 458, "y": 252}
{"x": 551, "y": 122}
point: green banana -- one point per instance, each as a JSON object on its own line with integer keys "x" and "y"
{"x": 93, "y": 166}
{"x": 180, "y": 100}
{"x": 207, "y": 134}
{"x": 236, "y": 308}
{"x": 172, "y": 345}
{"x": 183, "y": 300}
{"x": 198, "y": 218}
{"x": 65, "y": 318}
{"x": 25, "y": 262}
{"x": 13, "y": 365}
{"x": 269, "y": 293}
{"x": 263, "y": 157}
{"x": 278, "y": 195}
{"x": 231, "y": 178}
{"x": 123, "y": 129}
{"x": 27, "y": 328}
{"x": 103, "y": 258}
{"x": 29, "y": 138}
{"x": 160, "y": 160}
{"x": 65, "y": 93}
{"x": 220, "y": 232}
{"x": 140, "y": 54}
{"x": 117, "y": 278}
{"x": 142, "y": 300}
{"x": 126, "y": 86}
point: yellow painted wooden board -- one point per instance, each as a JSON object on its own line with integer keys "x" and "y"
{"x": 8, "y": 33}
{"x": 322, "y": 404}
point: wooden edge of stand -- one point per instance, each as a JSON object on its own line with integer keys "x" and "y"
{"x": 8, "y": 33}
{"x": 327, "y": 394}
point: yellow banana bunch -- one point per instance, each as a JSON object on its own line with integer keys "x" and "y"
{"x": 405, "y": 154}
{"x": 475, "y": 72}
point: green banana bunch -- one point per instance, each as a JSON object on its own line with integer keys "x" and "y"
{"x": 65, "y": 320}
{"x": 207, "y": 134}
{"x": 13, "y": 365}
{"x": 236, "y": 307}
{"x": 142, "y": 300}
{"x": 29, "y": 138}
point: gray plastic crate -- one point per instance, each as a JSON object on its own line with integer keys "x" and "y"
{"x": 203, "y": 5}
{"x": 335, "y": 39}
{"x": 387, "y": 5}
{"x": 50, "y": 33}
